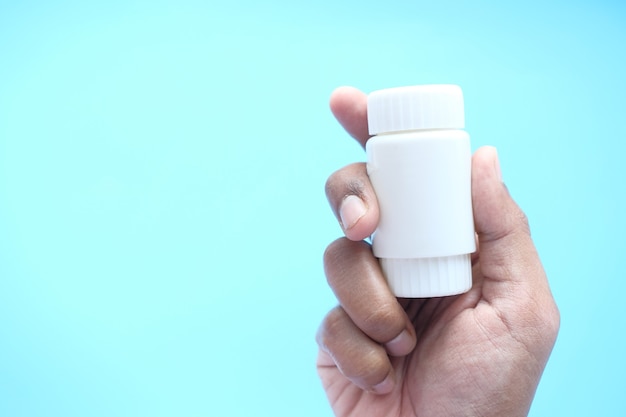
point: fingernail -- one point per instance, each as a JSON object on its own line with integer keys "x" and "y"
{"x": 384, "y": 387}
{"x": 351, "y": 210}
{"x": 497, "y": 166}
{"x": 401, "y": 345}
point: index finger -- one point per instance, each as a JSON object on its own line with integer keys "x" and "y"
{"x": 349, "y": 106}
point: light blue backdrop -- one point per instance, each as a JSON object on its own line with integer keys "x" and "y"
{"x": 162, "y": 163}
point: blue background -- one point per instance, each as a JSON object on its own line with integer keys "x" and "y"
{"x": 162, "y": 164}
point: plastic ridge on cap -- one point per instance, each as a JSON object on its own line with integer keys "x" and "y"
{"x": 420, "y": 107}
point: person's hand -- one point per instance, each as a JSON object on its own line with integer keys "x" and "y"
{"x": 481, "y": 353}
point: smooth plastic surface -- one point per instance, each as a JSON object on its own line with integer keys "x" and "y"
{"x": 422, "y": 182}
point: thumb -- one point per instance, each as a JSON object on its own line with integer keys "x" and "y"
{"x": 506, "y": 252}
{"x": 512, "y": 278}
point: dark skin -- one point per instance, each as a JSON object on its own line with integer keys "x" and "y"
{"x": 481, "y": 353}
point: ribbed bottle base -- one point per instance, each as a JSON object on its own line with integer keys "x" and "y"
{"x": 428, "y": 277}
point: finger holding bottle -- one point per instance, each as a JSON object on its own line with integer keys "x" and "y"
{"x": 352, "y": 199}
{"x": 369, "y": 325}
{"x": 349, "y": 190}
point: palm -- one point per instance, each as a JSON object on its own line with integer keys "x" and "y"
{"x": 448, "y": 364}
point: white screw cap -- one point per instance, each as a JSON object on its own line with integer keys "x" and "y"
{"x": 419, "y": 107}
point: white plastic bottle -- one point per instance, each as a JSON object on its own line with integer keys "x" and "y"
{"x": 419, "y": 163}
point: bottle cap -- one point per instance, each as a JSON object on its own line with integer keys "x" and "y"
{"x": 428, "y": 277}
{"x": 419, "y": 107}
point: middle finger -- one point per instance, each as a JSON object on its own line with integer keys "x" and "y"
{"x": 356, "y": 279}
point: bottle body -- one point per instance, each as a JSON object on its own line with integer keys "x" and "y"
{"x": 425, "y": 235}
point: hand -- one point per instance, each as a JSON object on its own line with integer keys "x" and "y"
{"x": 481, "y": 353}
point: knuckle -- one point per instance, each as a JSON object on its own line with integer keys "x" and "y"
{"x": 359, "y": 359}
{"x": 333, "y": 248}
{"x": 383, "y": 322}
{"x": 335, "y": 321}
{"x": 333, "y": 256}
{"x": 521, "y": 219}
{"x": 332, "y": 327}
{"x": 349, "y": 180}
{"x": 340, "y": 254}
{"x": 370, "y": 368}
{"x": 332, "y": 184}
